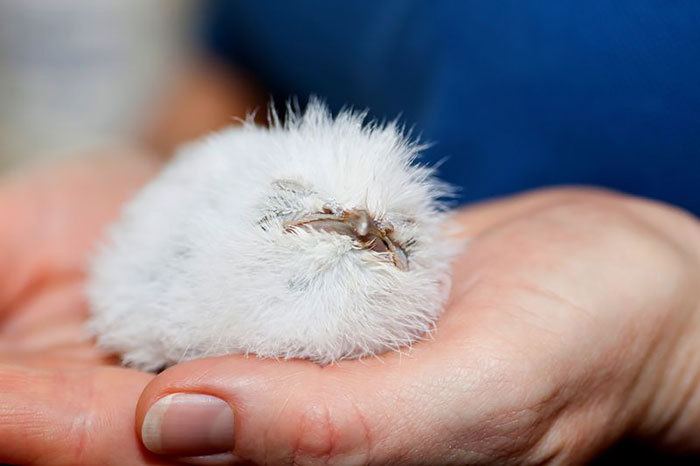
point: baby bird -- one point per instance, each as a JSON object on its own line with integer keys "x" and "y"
{"x": 316, "y": 237}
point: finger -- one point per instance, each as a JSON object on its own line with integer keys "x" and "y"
{"x": 16, "y": 230}
{"x": 294, "y": 412}
{"x": 263, "y": 411}
{"x": 49, "y": 331}
{"x": 83, "y": 416}
{"x": 53, "y": 315}
{"x": 49, "y": 224}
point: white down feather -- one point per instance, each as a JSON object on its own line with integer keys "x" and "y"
{"x": 200, "y": 263}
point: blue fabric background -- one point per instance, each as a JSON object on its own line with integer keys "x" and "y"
{"x": 516, "y": 94}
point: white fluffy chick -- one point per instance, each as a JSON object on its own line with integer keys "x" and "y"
{"x": 316, "y": 238}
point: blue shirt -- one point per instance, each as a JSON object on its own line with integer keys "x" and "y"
{"x": 515, "y": 94}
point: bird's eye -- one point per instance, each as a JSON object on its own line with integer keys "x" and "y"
{"x": 358, "y": 225}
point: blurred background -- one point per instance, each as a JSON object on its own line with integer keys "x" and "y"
{"x": 75, "y": 74}
{"x": 512, "y": 95}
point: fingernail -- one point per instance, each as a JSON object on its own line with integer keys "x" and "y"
{"x": 188, "y": 424}
{"x": 219, "y": 459}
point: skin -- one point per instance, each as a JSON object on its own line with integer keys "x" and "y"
{"x": 59, "y": 396}
{"x": 573, "y": 321}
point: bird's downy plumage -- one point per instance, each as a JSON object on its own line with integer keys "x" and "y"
{"x": 316, "y": 237}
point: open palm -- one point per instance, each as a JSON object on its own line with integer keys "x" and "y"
{"x": 567, "y": 312}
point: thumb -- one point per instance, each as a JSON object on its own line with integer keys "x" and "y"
{"x": 284, "y": 412}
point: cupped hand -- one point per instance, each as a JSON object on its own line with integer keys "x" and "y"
{"x": 61, "y": 400}
{"x": 573, "y": 321}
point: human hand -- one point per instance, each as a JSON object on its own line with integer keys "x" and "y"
{"x": 573, "y": 321}
{"x": 533, "y": 360}
{"x": 61, "y": 400}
